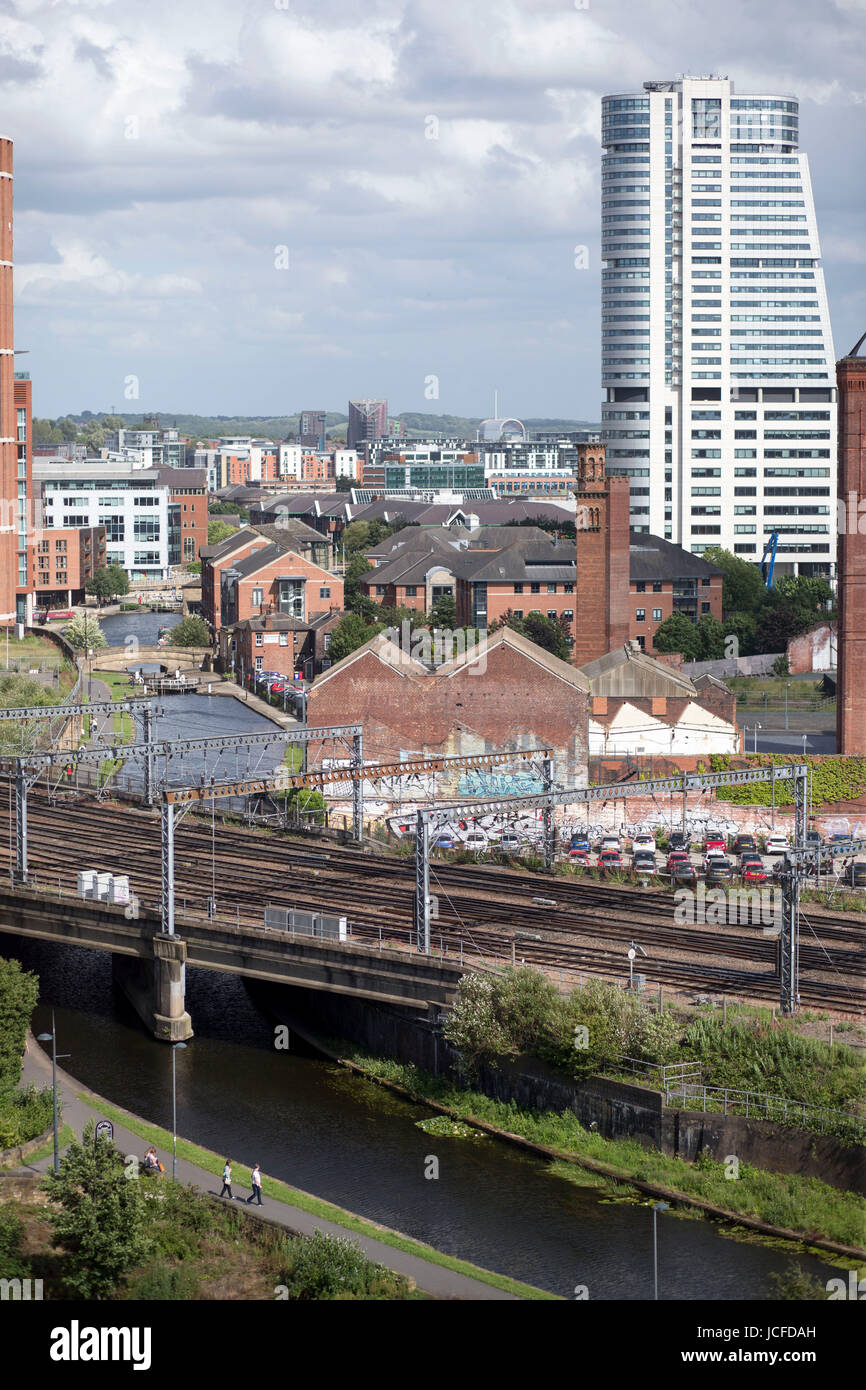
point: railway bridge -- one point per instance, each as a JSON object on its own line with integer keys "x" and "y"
{"x": 150, "y": 965}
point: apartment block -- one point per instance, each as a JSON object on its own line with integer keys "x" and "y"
{"x": 717, "y": 353}
{"x": 65, "y": 560}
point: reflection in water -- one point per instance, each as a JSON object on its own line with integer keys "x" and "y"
{"x": 346, "y": 1140}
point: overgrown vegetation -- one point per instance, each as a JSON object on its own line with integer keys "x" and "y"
{"x": 786, "y": 1200}
{"x": 191, "y": 631}
{"x": 520, "y": 1011}
{"x": 833, "y": 779}
{"x": 28, "y": 1112}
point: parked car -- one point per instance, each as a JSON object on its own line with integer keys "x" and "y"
{"x": 679, "y": 839}
{"x": 475, "y": 840}
{"x": 643, "y": 842}
{"x": 442, "y": 841}
{"x": 741, "y": 842}
{"x": 609, "y": 859}
{"x": 858, "y": 874}
{"x": 276, "y": 687}
{"x": 752, "y": 872}
{"x": 776, "y": 844}
{"x": 580, "y": 857}
{"x": 712, "y": 857}
{"x": 611, "y": 842}
{"x": 643, "y": 863}
{"x": 509, "y": 841}
{"x": 579, "y": 842}
{"x": 840, "y": 844}
{"x": 715, "y": 842}
{"x": 676, "y": 858}
{"x": 719, "y": 869}
{"x": 683, "y": 872}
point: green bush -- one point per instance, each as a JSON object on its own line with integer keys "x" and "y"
{"x": 833, "y": 779}
{"x": 24, "y": 1114}
{"x": 331, "y": 1267}
{"x": 159, "y": 1282}
{"x": 19, "y": 991}
{"x": 12, "y": 1263}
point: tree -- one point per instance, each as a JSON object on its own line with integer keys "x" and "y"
{"x": 777, "y": 625}
{"x": 19, "y": 994}
{"x": 444, "y": 612}
{"x": 679, "y": 634}
{"x": 101, "y": 1221}
{"x": 113, "y": 422}
{"x": 354, "y": 598}
{"x": 743, "y": 628}
{"x": 809, "y": 596}
{"x": 191, "y": 631}
{"x": 356, "y": 537}
{"x": 553, "y": 634}
{"x": 711, "y": 635}
{"x": 193, "y": 566}
{"x": 743, "y": 587}
{"x": 119, "y": 580}
{"x": 304, "y": 805}
{"x": 84, "y": 632}
{"x": 107, "y": 582}
{"x": 350, "y": 633}
{"x": 218, "y": 531}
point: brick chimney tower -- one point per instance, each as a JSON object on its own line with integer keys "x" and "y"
{"x": 8, "y": 430}
{"x": 851, "y": 672}
{"x": 603, "y": 561}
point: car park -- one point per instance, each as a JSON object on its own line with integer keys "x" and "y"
{"x": 712, "y": 857}
{"x": 611, "y": 842}
{"x": 679, "y": 839}
{"x": 580, "y": 857}
{"x": 643, "y": 863}
{"x": 610, "y": 859}
{"x": 714, "y": 842}
{"x": 741, "y": 842}
{"x": 677, "y": 856}
{"x": 719, "y": 869}
{"x": 579, "y": 842}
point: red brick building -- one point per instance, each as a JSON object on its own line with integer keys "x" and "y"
{"x": 279, "y": 643}
{"x": 187, "y": 512}
{"x": 10, "y": 559}
{"x": 65, "y": 558}
{"x": 529, "y": 575}
{"x": 667, "y": 579}
{"x": 851, "y": 675}
{"x": 506, "y": 693}
{"x": 602, "y": 557}
{"x": 23, "y": 400}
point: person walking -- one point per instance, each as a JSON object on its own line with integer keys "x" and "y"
{"x": 256, "y": 1193}
{"x": 227, "y": 1179}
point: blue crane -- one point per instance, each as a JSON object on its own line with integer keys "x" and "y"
{"x": 768, "y": 559}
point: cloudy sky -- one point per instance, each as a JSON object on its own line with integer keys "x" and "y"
{"x": 253, "y": 206}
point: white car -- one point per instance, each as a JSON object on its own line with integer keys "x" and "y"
{"x": 643, "y": 842}
{"x": 611, "y": 842}
{"x": 475, "y": 840}
{"x": 777, "y": 844}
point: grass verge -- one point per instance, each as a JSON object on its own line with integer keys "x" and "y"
{"x": 292, "y": 1196}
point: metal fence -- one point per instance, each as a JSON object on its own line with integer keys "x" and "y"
{"x": 758, "y": 1105}
{"x": 666, "y": 1074}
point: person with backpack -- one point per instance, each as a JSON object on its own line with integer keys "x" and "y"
{"x": 227, "y": 1179}
{"x": 256, "y": 1185}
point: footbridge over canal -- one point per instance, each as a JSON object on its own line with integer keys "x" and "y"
{"x": 149, "y": 964}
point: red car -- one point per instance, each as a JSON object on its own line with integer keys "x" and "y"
{"x": 715, "y": 842}
{"x": 578, "y": 856}
{"x": 610, "y": 859}
{"x": 675, "y": 858}
{"x": 754, "y": 873}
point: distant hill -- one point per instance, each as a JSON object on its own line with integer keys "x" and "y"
{"x": 279, "y": 426}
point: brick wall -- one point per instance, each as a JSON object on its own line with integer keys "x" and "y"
{"x": 514, "y": 704}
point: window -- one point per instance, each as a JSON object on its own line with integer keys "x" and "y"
{"x": 657, "y": 615}
{"x": 640, "y": 586}
{"x": 257, "y": 598}
{"x": 284, "y": 639}
{"x": 326, "y": 592}
{"x": 705, "y": 608}
{"x": 551, "y": 612}
{"x": 518, "y": 612}
{"x": 535, "y": 588}
{"x": 260, "y": 640}
{"x": 568, "y": 588}
{"x": 411, "y": 591}
{"x": 657, "y": 586}
{"x": 551, "y": 588}
{"x": 259, "y": 660}
{"x": 639, "y": 615}
{"x": 380, "y": 589}
{"x": 518, "y": 588}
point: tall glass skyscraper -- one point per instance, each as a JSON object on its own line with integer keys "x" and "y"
{"x": 717, "y": 355}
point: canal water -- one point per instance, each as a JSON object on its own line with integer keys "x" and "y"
{"x": 144, "y": 627}
{"x": 344, "y": 1139}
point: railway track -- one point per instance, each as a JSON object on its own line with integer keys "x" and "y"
{"x": 588, "y": 929}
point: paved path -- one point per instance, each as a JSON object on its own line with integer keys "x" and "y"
{"x": 434, "y": 1279}
{"x": 248, "y": 697}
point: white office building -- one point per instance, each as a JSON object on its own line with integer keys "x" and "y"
{"x": 717, "y": 355}
{"x": 130, "y": 502}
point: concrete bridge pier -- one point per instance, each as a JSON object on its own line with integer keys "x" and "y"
{"x": 156, "y": 989}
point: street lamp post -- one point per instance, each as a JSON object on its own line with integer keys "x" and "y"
{"x": 657, "y": 1207}
{"x": 805, "y": 738}
{"x": 52, "y": 1038}
{"x": 757, "y": 727}
{"x": 787, "y": 688}
{"x": 174, "y": 1048}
